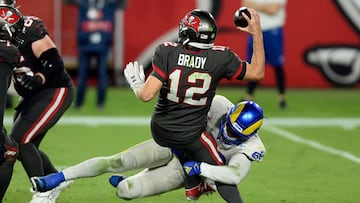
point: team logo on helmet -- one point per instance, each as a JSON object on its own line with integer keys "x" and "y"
{"x": 191, "y": 21}
{"x": 8, "y": 15}
{"x": 242, "y": 122}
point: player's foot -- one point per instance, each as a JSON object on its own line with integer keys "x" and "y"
{"x": 51, "y": 195}
{"x": 42, "y": 197}
{"x": 116, "y": 179}
{"x": 195, "y": 192}
{"x": 282, "y": 104}
{"x": 46, "y": 183}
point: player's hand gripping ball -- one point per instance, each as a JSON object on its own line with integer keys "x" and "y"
{"x": 239, "y": 20}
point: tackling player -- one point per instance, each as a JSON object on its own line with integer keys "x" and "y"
{"x": 239, "y": 148}
{"x": 9, "y": 58}
{"x": 185, "y": 77}
{"x": 46, "y": 91}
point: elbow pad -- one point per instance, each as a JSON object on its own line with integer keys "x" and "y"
{"x": 52, "y": 62}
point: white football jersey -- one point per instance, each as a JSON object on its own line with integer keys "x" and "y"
{"x": 238, "y": 157}
{"x": 253, "y": 148}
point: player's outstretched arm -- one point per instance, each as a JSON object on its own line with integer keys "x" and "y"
{"x": 232, "y": 173}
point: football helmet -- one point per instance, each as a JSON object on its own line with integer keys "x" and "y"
{"x": 198, "y": 29}
{"x": 8, "y": 2}
{"x": 11, "y": 22}
{"x": 241, "y": 122}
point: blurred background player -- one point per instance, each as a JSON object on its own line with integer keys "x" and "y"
{"x": 163, "y": 171}
{"x": 95, "y": 28}
{"x": 9, "y": 58}
{"x": 272, "y": 14}
{"x": 185, "y": 76}
{"x": 46, "y": 91}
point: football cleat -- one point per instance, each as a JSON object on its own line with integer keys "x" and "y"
{"x": 46, "y": 183}
{"x": 116, "y": 179}
{"x": 51, "y": 195}
{"x": 195, "y": 192}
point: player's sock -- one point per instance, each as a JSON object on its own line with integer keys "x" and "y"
{"x": 116, "y": 179}
{"x": 46, "y": 183}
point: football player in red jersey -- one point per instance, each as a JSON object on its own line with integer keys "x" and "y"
{"x": 9, "y": 58}
{"x": 185, "y": 76}
{"x": 46, "y": 91}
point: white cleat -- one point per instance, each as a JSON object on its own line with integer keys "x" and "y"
{"x": 52, "y": 195}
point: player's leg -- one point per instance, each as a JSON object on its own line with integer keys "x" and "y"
{"x": 102, "y": 78}
{"x": 205, "y": 150}
{"x": 145, "y": 154}
{"x": 83, "y": 71}
{"x": 38, "y": 115}
{"x": 275, "y": 57}
{"x": 152, "y": 181}
{"x": 6, "y": 169}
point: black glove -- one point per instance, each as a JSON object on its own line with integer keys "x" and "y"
{"x": 31, "y": 82}
{"x": 2, "y": 146}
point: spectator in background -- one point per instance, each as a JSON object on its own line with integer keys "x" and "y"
{"x": 95, "y": 28}
{"x": 272, "y": 15}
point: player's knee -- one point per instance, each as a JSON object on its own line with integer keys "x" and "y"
{"x": 11, "y": 154}
{"x": 12, "y": 150}
{"x": 130, "y": 188}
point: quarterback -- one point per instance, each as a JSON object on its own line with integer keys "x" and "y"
{"x": 235, "y": 129}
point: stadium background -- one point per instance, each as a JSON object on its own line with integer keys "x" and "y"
{"x": 313, "y": 148}
{"x": 310, "y": 25}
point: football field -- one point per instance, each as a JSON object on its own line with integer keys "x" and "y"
{"x": 313, "y": 148}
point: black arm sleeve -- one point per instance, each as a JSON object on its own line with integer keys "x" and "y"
{"x": 52, "y": 62}
{"x": 243, "y": 71}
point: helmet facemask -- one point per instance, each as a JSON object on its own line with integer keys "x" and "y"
{"x": 241, "y": 123}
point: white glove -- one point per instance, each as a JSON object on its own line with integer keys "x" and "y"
{"x": 134, "y": 74}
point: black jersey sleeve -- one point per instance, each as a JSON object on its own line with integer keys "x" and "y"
{"x": 236, "y": 67}
{"x": 35, "y": 29}
{"x": 158, "y": 63}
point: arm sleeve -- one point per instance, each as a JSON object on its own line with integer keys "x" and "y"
{"x": 233, "y": 173}
{"x": 52, "y": 62}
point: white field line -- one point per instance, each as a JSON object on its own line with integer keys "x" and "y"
{"x": 293, "y": 137}
{"x": 141, "y": 120}
{"x": 271, "y": 124}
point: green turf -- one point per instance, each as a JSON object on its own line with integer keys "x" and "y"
{"x": 291, "y": 172}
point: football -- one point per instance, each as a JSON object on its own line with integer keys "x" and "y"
{"x": 239, "y": 20}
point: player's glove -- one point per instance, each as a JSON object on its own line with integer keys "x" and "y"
{"x": 134, "y": 74}
{"x": 31, "y": 82}
{"x": 192, "y": 168}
